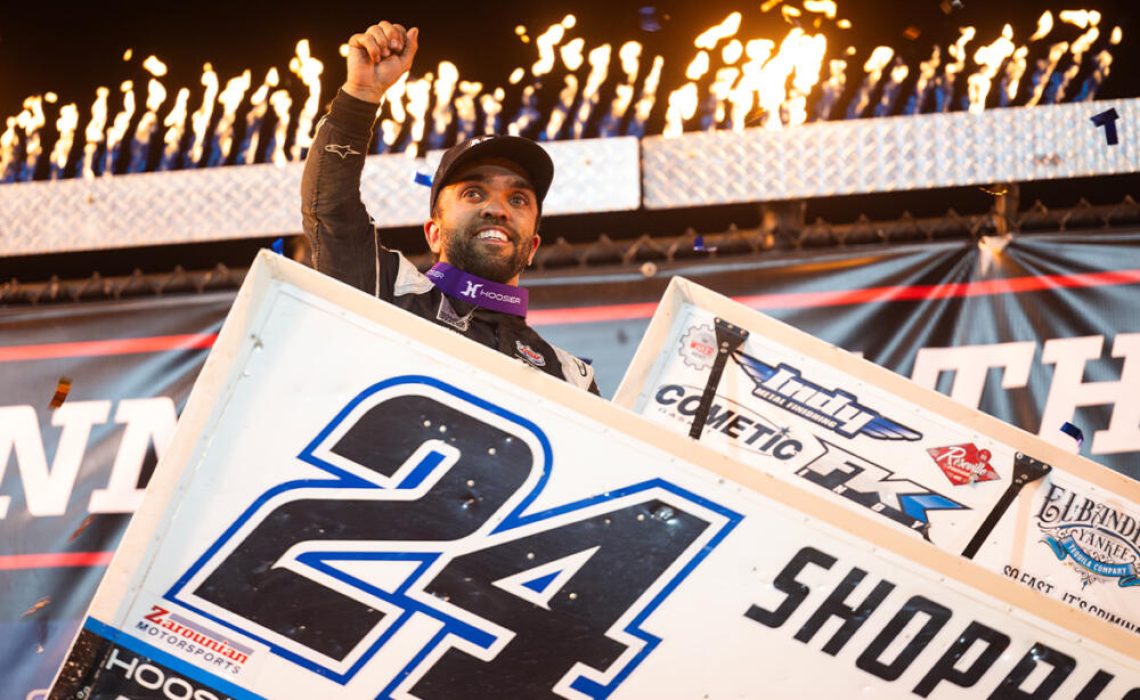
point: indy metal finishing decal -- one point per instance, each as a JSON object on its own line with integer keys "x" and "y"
{"x": 834, "y": 409}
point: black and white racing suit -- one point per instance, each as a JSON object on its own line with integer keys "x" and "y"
{"x": 346, "y": 245}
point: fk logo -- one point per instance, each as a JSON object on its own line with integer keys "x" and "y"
{"x": 472, "y": 289}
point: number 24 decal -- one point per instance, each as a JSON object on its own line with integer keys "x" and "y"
{"x": 423, "y": 554}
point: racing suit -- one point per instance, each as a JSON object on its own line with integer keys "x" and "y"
{"x": 346, "y": 245}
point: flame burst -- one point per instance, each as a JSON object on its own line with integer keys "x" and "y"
{"x": 731, "y": 81}
{"x": 200, "y": 119}
{"x": 119, "y": 127}
{"x": 94, "y": 131}
{"x": 66, "y": 126}
{"x": 309, "y": 70}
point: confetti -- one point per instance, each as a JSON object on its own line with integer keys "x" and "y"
{"x": 278, "y": 246}
{"x": 37, "y": 606}
{"x": 422, "y": 179}
{"x": 1074, "y": 432}
{"x": 1108, "y": 119}
{"x": 649, "y": 19}
{"x": 62, "y": 389}
{"x": 82, "y": 526}
{"x": 912, "y": 32}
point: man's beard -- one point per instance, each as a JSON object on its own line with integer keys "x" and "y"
{"x": 462, "y": 250}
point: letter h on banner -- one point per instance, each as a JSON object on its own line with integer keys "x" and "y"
{"x": 1069, "y": 391}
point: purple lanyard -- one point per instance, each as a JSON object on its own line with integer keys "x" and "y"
{"x": 475, "y": 290}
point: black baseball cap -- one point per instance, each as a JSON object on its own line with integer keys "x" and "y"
{"x": 528, "y": 155}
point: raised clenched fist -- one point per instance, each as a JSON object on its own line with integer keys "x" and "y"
{"x": 377, "y": 57}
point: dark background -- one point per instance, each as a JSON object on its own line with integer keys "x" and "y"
{"x": 73, "y": 47}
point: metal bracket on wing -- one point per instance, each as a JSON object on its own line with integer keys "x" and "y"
{"x": 729, "y": 338}
{"x": 1025, "y": 470}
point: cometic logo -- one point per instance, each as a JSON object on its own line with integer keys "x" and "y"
{"x": 751, "y": 430}
{"x": 835, "y": 410}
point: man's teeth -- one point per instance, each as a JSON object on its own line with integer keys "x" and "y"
{"x": 493, "y": 235}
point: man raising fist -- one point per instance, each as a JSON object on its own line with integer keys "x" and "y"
{"x": 486, "y": 203}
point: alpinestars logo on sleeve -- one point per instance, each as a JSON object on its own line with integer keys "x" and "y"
{"x": 342, "y": 151}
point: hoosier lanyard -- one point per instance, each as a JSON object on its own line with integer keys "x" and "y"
{"x": 476, "y": 290}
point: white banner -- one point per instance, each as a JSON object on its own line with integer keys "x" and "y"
{"x": 816, "y": 417}
{"x": 359, "y": 504}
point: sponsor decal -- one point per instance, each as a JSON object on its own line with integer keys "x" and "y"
{"x": 1101, "y": 542}
{"x": 834, "y": 409}
{"x": 168, "y": 628}
{"x": 107, "y": 663}
{"x": 698, "y": 347}
{"x": 490, "y": 588}
{"x": 342, "y": 151}
{"x": 528, "y": 354}
{"x": 843, "y": 473}
{"x": 740, "y": 425}
{"x": 499, "y": 296}
{"x": 504, "y": 298}
{"x": 447, "y": 314}
{"x": 860, "y": 629}
{"x": 964, "y": 464}
{"x": 876, "y": 488}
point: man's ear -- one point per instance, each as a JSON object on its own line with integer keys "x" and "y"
{"x": 533, "y": 248}
{"x": 432, "y": 235}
